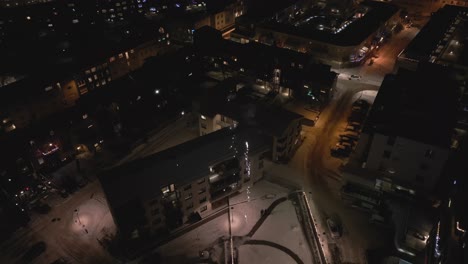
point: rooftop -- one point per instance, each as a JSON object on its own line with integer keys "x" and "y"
{"x": 353, "y": 34}
{"x": 416, "y": 105}
{"x": 245, "y": 108}
{"x": 182, "y": 164}
{"x": 442, "y": 39}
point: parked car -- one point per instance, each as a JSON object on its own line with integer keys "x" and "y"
{"x": 350, "y": 134}
{"x": 340, "y": 151}
{"x": 419, "y": 236}
{"x": 333, "y": 228}
{"x": 352, "y": 128}
{"x": 355, "y": 123}
{"x": 354, "y": 77}
{"x": 346, "y": 139}
{"x": 361, "y": 103}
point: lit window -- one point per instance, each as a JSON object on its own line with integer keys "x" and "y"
{"x": 165, "y": 190}
{"x": 120, "y": 55}
{"x": 112, "y": 59}
{"x": 48, "y": 88}
{"x": 203, "y": 117}
{"x": 93, "y": 69}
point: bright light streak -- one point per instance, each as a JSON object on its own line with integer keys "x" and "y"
{"x": 459, "y": 228}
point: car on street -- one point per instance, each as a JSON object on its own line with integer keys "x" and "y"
{"x": 350, "y": 134}
{"x": 361, "y": 103}
{"x": 354, "y": 77}
{"x": 333, "y": 228}
{"x": 419, "y": 236}
{"x": 340, "y": 151}
{"x": 354, "y": 123}
{"x": 345, "y": 139}
{"x": 352, "y": 128}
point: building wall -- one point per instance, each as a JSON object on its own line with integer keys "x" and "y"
{"x": 195, "y": 196}
{"x": 70, "y": 92}
{"x": 209, "y": 124}
{"x": 57, "y": 96}
{"x": 283, "y": 147}
{"x": 406, "y": 160}
{"x": 334, "y": 55}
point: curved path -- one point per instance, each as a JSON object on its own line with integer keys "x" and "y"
{"x": 277, "y": 246}
{"x": 265, "y": 215}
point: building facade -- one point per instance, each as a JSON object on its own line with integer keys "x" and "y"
{"x": 349, "y": 45}
{"x": 185, "y": 183}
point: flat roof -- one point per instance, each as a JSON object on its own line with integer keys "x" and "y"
{"x": 420, "y": 105}
{"x": 143, "y": 178}
{"x": 435, "y": 38}
{"x": 243, "y": 108}
{"x": 354, "y": 34}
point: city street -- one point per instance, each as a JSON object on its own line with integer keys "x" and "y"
{"x": 384, "y": 64}
{"x": 318, "y": 172}
{"x": 72, "y": 230}
{"x": 77, "y": 225}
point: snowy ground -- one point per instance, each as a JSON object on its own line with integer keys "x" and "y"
{"x": 281, "y": 227}
{"x": 245, "y": 212}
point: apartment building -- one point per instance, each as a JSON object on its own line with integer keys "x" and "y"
{"x": 442, "y": 41}
{"x": 339, "y": 42}
{"x": 230, "y": 104}
{"x": 187, "y": 182}
{"x": 408, "y": 135}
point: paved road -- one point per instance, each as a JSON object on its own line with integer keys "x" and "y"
{"x": 319, "y": 171}
{"x": 73, "y": 237}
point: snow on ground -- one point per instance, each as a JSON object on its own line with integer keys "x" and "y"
{"x": 245, "y": 214}
{"x": 281, "y": 227}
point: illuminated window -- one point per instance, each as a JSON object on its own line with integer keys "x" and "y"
{"x": 112, "y": 59}
{"x": 165, "y": 190}
{"x": 120, "y": 55}
{"x": 93, "y": 69}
